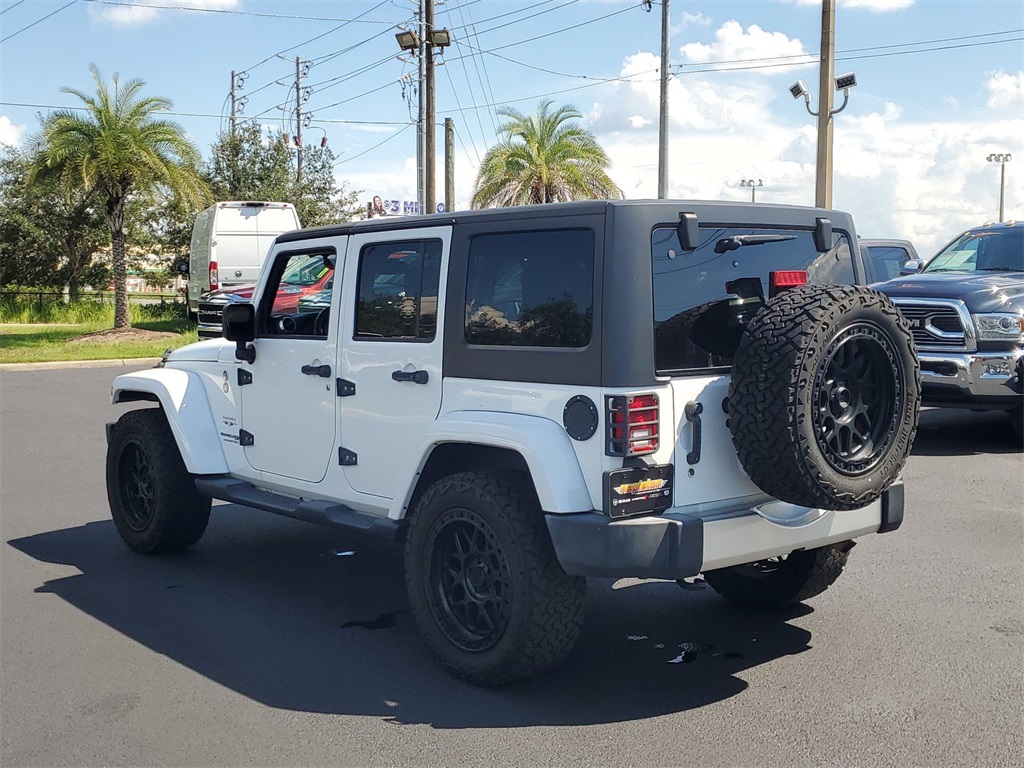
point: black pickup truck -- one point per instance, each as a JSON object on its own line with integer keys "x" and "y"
{"x": 966, "y": 311}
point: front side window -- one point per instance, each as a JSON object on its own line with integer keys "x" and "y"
{"x": 997, "y": 250}
{"x": 298, "y": 296}
{"x": 531, "y": 289}
{"x": 397, "y": 290}
{"x": 704, "y": 299}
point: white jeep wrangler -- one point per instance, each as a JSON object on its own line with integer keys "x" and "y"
{"x": 529, "y": 396}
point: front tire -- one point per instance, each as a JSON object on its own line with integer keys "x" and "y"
{"x": 1017, "y": 422}
{"x": 153, "y": 498}
{"x": 780, "y": 581}
{"x": 485, "y": 586}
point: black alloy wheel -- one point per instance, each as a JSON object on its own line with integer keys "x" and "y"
{"x": 135, "y": 486}
{"x": 857, "y": 389}
{"x": 470, "y": 581}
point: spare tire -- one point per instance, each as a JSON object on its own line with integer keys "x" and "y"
{"x": 824, "y": 396}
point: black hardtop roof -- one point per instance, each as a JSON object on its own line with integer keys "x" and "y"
{"x": 703, "y": 209}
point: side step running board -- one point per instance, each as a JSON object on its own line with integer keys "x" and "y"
{"x": 310, "y": 510}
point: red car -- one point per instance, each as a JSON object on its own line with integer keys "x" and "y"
{"x": 303, "y": 278}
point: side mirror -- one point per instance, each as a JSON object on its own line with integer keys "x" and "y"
{"x": 182, "y": 268}
{"x": 910, "y": 266}
{"x": 239, "y": 324}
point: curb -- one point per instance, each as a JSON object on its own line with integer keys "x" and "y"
{"x": 57, "y": 364}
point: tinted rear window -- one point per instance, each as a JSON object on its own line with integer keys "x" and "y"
{"x": 703, "y": 300}
{"x": 531, "y": 289}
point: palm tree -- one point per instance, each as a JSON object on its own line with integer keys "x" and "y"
{"x": 120, "y": 149}
{"x": 543, "y": 158}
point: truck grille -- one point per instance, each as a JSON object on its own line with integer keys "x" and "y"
{"x": 935, "y": 325}
{"x": 210, "y": 315}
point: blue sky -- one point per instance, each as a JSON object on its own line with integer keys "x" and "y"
{"x": 940, "y": 87}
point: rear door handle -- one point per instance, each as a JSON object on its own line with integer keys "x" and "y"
{"x": 416, "y": 377}
{"x": 323, "y": 371}
{"x": 692, "y": 411}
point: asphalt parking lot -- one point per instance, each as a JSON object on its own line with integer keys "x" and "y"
{"x": 274, "y": 642}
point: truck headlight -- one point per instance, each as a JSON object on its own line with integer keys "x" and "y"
{"x": 999, "y": 326}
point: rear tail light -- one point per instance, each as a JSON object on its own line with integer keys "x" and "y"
{"x": 214, "y": 279}
{"x": 783, "y": 279}
{"x": 632, "y": 425}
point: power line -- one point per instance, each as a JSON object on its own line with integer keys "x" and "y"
{"x": 201, "y": 114}
{"x": 563, "y": 29}
{"x": 846, "y": 58}
{"x": 237, "y": 13}
{"x": 37, "y": 21}
{"x": 527, "y": 18}
{"x": 12, "y": 5}
{"x": 375, "y": 146}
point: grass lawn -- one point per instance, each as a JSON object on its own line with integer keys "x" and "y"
{"x": 22, "y": 343}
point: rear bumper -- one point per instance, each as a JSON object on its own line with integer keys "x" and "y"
{"x": 976, "y": 379}
{"x": 675, "y": 545}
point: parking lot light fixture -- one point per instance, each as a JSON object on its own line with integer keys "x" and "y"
{"x": 1002, "y": 158}
{"x": 408, "y": 40}
{"x": 753, "y": 184}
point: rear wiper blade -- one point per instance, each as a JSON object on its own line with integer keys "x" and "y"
{"x": 738, "y": 241}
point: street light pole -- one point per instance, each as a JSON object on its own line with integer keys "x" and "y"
{"x": 1002, "y": 159}
{"x": 753, "y": 187}
{"x": 823, "y": 179}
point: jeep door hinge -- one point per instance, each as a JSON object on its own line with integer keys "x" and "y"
{"x": 344, "y": 388}
{"x": 245, "y": 438}
{"x": 346, "y": 458}
{"x": 244, "y": 377}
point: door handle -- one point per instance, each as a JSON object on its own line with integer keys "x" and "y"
{"x": 416, "y": 377}
{"x": 323, "y": 371}
{"x": 692, "y": 411}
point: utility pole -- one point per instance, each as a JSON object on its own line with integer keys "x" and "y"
{"x": 663, "y": 114}
{"x": 298, "y": 117}
{"x": 823, "y": 180}
{"x": 449, "y": 165}
{"x": 233, "y": 103}
{"x": 421, "y": 108}
{"x": 430, "y": 170}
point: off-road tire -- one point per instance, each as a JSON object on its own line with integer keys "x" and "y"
{"x": 775, "y": 583}
{"x": 824, "y": 397}
{"x": 533, "y": 610}
{"x": 153, "y": 498}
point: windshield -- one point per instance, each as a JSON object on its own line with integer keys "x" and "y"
{"x": 995, "y": 250}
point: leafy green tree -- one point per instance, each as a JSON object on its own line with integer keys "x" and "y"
{"x": 544, "y": 158}
{"x": 47, "y": 238}
{"x": 250, "y": 165}
{"x": 120, "y": 148}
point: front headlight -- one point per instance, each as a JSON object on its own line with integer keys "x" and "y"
{"x": 999, "y": 326}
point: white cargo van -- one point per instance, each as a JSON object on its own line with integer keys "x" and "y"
{"x": 230, "y": 241}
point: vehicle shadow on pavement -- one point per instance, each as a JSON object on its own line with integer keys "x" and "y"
{"x": 958, "y": 432}
{"x": 311, "y": 619}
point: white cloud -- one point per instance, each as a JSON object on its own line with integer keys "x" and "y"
{"x": 145, "y": 11}
{"x": 10, "y": 133}
{"x": 875, "y": 6}
{"x": 695, "y": 20}
{"x": 923, "y": 181}
{"x": 1005, "y": 90}
{"x": 753, "y": 46}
